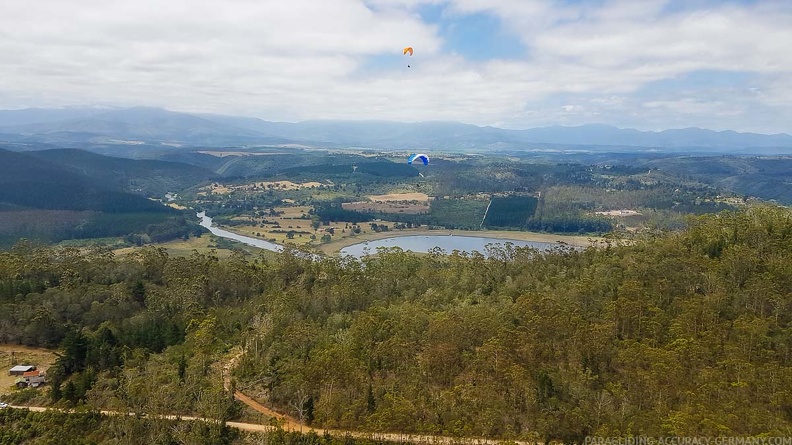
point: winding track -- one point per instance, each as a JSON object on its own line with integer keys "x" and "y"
{"x": 288, "y": 423}
{"x": 255, "y": 427}
{"x": 291, "y": 424}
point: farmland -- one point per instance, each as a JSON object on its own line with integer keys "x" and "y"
{"x": 338, "y": 200}
{"x": 410, "y": 203}
{"x": 11, "y": 355}
{"x": 322, "y": 198}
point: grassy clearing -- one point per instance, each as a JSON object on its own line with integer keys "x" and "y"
{"x": 387, "y": 207}
{"x": 292, "y": 212}
{"x": 42, "y": 359}
{"x": 223, "y": 189}
{"x": 204, "y": 245}
{"x": 410, "y": 203}
{"x": 339, "y": 229}
{"x": 422, "y": 197}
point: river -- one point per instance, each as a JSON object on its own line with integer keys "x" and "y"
{"x": 207, "y": 222}
{"x": 414, "y": 243}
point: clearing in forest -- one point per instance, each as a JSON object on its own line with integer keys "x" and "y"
{"x": 392, "y": 203}
{"x": 12, "y": 355}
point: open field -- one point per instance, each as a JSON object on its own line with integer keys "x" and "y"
{"x": 42, "y": 359}
{"x": 292, "y": 220}
{"x": 184, "y": 248}
{"x": 386, "y": 207}
{"x": 222, "y": 189}
{"x": 410, "y": 203}
{"x": 422, "y": 197}
{"x": 625, "y": 212}
{"x": 266, "y": 234}
{"x": 292, "y": 212}
{"x": 222, "y": 154}
{"x": 297, "y": 225}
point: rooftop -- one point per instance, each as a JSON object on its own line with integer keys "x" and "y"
{"x": 22, "y": 368}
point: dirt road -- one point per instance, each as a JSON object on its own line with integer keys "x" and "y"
{"x": 254, "y": 427}
{"x": 291, "y": 424}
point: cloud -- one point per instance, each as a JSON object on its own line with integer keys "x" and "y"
{"x": 570, "y": 108}
{"x": 304, "y": 59}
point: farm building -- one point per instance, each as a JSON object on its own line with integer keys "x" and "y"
{"x": 32, "y": 381}
{"x": 21, "y": 369}
{"x": 35, "y": 382}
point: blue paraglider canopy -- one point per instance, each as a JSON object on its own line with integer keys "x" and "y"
{"x": 420, "y": 157}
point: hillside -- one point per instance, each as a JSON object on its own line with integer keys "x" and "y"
{"x": 148, "y": 177}
{"x": 764, "y": 177}
{"x": 61, "y": 194}
{"x": 32, "y": 182}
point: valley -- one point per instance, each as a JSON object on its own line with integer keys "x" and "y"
{"x": 106, "y": 269}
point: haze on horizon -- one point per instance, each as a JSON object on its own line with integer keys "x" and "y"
{"x": 645, "y": 64}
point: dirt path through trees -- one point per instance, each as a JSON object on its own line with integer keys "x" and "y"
{"x": 288, "y": 423}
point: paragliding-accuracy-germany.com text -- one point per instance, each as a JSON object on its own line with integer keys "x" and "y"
{"x": 688, "y": 440}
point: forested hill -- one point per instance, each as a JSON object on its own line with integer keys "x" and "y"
{"x": 679, "y": 334}
{"x": 28, "y": 181}
{"x": 54, "y": 195}
{"x": 765, "y": 177}
{"x": 149, "y": 177}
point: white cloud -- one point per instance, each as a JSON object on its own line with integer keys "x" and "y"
{"x": 342, "y": 59}
{"x": 570, "y": 108}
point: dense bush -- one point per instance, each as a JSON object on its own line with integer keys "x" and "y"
{"x": 678, "y": 334}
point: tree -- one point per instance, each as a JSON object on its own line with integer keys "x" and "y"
{"x": 138, "y": 291}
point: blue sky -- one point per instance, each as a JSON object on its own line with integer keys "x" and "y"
{"x": 476, "y": 37}
{"x": 646, "y": 64}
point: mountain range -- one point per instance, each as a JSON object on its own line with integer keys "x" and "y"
{"x": 28, "y": 128}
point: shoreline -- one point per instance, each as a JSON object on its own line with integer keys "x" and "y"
{"x": 334, "y": 247}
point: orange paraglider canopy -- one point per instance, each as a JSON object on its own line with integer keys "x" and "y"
{"x": 408, "y": 50}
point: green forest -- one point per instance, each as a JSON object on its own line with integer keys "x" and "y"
{"x": 673, "y": 333}
{"x": 64, "y": 194}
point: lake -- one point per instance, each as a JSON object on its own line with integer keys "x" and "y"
{"x": 449, "y": 243}
{"x": 414, "y": 243}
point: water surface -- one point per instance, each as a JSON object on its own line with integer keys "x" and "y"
{"x": 207, "y": 222}
{"x": 413, "y": 243}
{"x": 449, "y": 243}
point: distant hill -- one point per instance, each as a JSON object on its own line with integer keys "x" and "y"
{"x": 370, "y": 133}
{"x": 135, "y": 125}
{"x": 681, "y": 138}
{"x": 763, "y": 177}
{"x": 42, "y": 115}
{"x": 33, "y": 181}
{"x": 148, "y": 177}
{"x": 153, "y": 126}
{"x": 449, "y": 135}
{"x": 52, "y": 195}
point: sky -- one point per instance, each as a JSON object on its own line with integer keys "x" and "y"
{"x": 645, "y": 64}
